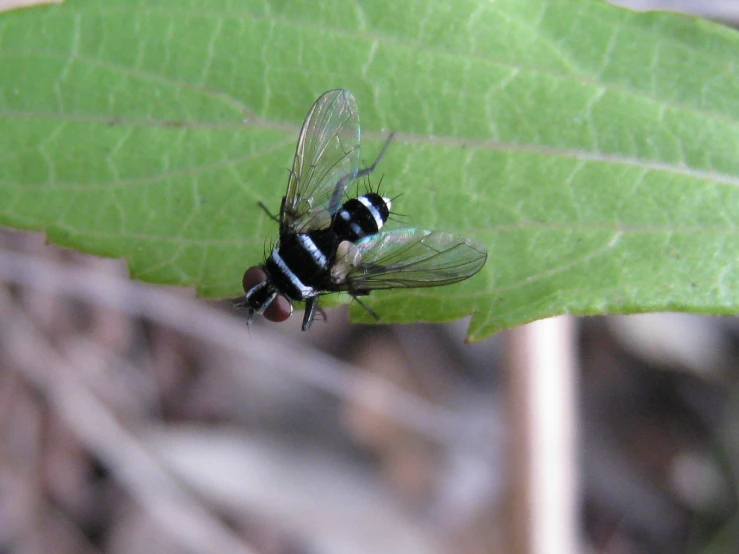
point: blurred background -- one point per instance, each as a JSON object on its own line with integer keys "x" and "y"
{"x": 139, "y": 419}
{"x": 136, "y": 418}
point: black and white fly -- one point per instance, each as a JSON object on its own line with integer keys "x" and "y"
{"x": 328, "y": 246}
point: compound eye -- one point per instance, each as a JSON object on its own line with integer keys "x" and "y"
{"x": 279, "y": 310}
{"x": 253, "y": 276}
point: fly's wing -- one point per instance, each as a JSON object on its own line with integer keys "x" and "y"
{"x": 407, "y": 258}
{"x": 326, "y": 161}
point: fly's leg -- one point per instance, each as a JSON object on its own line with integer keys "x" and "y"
{"x": 311, "y": 305}
{"x": 322, "y": 313}
{"x": 370, "y": 169}
{"x": 266, "y": 210}
{"x": 336, "y": 199}
{"x": 371, "y": 312}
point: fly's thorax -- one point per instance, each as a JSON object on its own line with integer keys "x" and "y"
{"x": 299, "y": 267}
{"x": 284, "y": 278}
{"x": 360, "y": 217}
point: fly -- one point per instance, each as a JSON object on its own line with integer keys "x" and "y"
{"x": 330, "y": 245}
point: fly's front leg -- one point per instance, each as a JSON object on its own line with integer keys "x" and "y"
{"x": 311, "y": 305}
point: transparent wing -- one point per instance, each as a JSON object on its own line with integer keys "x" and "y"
{"x": 326, "y": 161}
{"x": 406, "y": 258}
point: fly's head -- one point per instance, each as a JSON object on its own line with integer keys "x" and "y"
{"x": 262, "y": 297}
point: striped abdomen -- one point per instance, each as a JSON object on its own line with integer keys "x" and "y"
{"x": 360, "y": 217}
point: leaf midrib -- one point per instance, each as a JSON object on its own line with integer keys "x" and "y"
{"x": 490, "y": 145}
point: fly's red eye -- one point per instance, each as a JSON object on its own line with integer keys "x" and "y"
{"x": 253, "y": 276}
{"x": 279, "y": 310}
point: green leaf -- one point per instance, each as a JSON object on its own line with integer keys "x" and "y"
{"x": 592, "y": 149}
